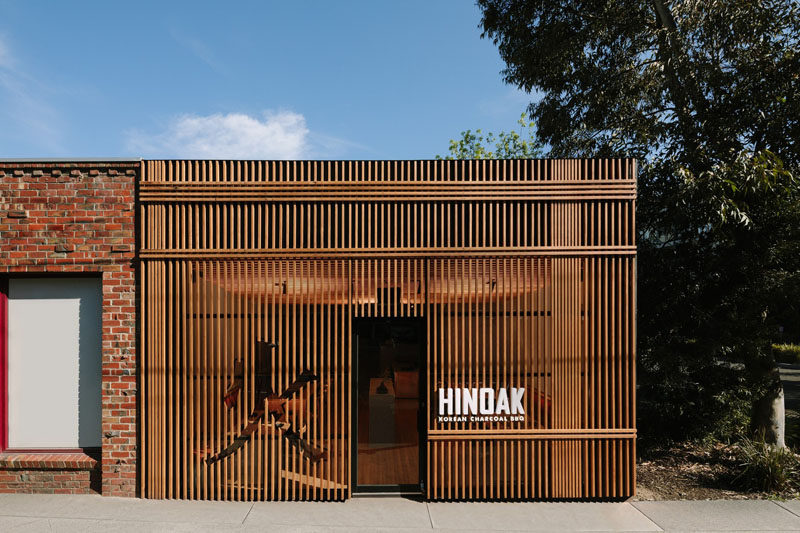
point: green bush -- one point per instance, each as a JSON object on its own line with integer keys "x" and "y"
{"x": 767, "y": 467}
{"x": 787, "y": 353}
{"x": 682, "y": 395}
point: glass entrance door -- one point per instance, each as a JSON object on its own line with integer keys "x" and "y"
{"x": 389, "y": 404}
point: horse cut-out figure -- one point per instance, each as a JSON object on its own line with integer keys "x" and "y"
{"x": 267, "y": 402}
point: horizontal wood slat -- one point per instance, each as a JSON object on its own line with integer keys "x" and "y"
{"x": 424, "y": 191}
{"x": 362, "y": 253}
{"x": 476, "y": 434}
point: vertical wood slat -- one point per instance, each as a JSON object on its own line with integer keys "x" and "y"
{"x": 561, "y": 326}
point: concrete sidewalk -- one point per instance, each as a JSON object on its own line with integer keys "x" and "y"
{"x": 20, "y": 512}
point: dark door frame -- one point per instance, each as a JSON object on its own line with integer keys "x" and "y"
{"x": 422, "y": 418}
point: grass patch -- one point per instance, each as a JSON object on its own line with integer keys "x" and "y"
{"x": 787, "y": 353}
{"x": 768, "y": 468}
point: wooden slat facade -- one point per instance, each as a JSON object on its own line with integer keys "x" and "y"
{"x": 523, "y": 270}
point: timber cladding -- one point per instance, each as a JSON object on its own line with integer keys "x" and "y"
{"x": 253, "y": 272}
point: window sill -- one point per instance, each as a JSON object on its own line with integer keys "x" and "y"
{"x": 47, "y": 461}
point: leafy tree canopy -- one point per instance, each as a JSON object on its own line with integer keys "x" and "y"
{"x": 707, "y": 96}
{"x": 511, "y": 145}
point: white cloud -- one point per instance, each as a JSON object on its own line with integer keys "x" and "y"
{"x": 277, "y": 135}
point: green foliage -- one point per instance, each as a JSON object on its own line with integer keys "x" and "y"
{"x": 511, "y": 145}
{"x": 787, "y": 353}
{"x": 767, "y": 468}
{"x": 707, "y": 97}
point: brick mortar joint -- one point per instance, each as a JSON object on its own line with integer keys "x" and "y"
{"x": 54, "y": 469}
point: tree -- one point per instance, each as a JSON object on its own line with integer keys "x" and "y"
{"x": 511, "y": 145}
{"x": 707, "y": 96}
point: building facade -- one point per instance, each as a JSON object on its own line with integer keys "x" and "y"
{"x": 67, "y": 222}
{"x": 307, "y": 330}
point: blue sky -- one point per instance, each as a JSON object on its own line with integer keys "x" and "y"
{"x": 320, "y": 80}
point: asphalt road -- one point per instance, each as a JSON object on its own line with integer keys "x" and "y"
{"x": 790, "y": 377}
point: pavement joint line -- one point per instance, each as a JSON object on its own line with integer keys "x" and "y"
{"x": 633, "y": 504}
{"x": 785, "y": 508}
{"x": 430, "y": 518}
{"x": 126, "y": 520}
{"x": 323, "y": 525}
{"x": 252, "y": 504}
{"x": 33, "y": 520}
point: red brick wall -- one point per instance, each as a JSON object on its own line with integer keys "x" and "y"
{"x": 79, "y": 217}
{"x": 47, "y": 481}
{"x": 49, "y": 473}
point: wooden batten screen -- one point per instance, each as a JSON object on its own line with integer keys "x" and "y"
{"x": 524, "y": 272}
{"x": 202, "y": 317}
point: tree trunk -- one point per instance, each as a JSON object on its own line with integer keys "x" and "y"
{"x": 769, "y": 414}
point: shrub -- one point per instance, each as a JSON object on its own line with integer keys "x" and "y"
{"x": 787, "y": 353}
{"x": 767, "y": 467}
{"x": 687, "y": 397}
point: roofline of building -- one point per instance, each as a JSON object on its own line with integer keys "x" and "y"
{"x": 139, "y": 159}
{"x": 71, "y": 160}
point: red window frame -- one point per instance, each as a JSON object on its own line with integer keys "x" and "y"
{"x": 3, "y": 364}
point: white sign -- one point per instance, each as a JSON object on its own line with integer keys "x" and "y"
{"x": 481, "y": 405}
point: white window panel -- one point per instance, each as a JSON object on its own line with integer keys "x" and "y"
{"x": 54, "y": 363}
